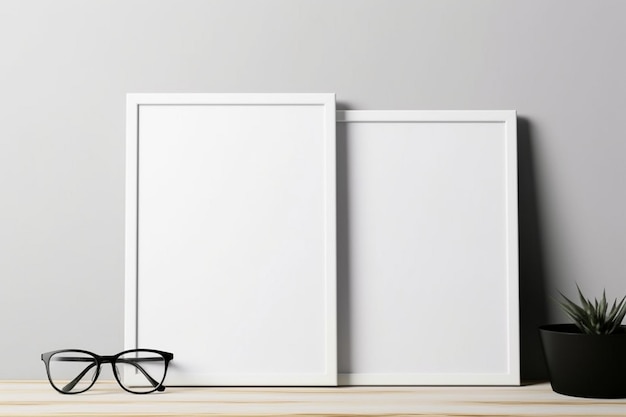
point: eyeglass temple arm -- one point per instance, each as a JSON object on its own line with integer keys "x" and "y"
{"x": 70, "y": 385}
{"x": 133, "y": 362}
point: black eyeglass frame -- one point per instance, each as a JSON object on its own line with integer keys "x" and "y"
{"x": 112, "y": 359}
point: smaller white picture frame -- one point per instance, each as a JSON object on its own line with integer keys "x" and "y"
{"x": 428, "y": 250}
{"x": 230, "y": 236}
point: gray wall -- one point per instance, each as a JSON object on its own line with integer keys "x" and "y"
{"x": 67, "y": 65}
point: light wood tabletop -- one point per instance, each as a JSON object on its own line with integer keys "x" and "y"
{"x": 37, "y": 398}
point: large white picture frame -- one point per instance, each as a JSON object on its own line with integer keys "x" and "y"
{"x": 230, "y": 236}
{"x": 428, "y": 248}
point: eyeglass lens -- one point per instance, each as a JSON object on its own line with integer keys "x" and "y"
{"x": 73, "y": 371}
{"x": 140, "y": 371}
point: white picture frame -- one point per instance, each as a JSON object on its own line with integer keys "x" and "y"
{"x": 428, "y": 248}
{"x": 230, "y": 236}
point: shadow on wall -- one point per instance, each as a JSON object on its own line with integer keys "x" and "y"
{"x": 344, "y": 345}
{"x": 533, "y": 294}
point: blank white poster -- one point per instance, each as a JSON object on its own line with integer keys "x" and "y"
{"x": 231, "y": 236}
{"x": 427, "y": 218}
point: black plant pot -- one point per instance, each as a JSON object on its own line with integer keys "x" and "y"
{"x": 582, "y": 365}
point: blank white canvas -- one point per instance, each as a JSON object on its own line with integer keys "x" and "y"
{"x": 427, "y": 218}
{"x": 235, "y": 237}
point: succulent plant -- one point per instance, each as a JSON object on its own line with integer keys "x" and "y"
{"x": 595, "y": 317}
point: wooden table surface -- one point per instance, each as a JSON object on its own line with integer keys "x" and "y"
{"x": 37, "y": 398}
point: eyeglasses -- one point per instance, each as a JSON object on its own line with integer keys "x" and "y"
{"x": 139, "y": 371}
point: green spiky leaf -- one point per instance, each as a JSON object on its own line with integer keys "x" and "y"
{"x": 594, "y": 317}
